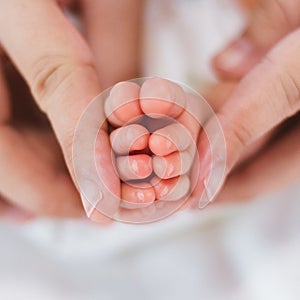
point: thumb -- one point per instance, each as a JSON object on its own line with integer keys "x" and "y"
{"x": 54, "y": 60}
{"x": 59, "y": 68}
{"x": 269, "y": 22}
{"x": 268, "y": 95}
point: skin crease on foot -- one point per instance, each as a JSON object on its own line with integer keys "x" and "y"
{"x": 158, "y": 159}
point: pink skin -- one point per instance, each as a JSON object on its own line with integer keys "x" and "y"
{"x": 142, "y": 194}
{"x": 160, "y": 97}
{"x": 129, "y": 138}
{"x": 134, "y": 167}
{"x": 171, "y": 145}
{"x": 60, "y": 66}
{"x": 170, "y": 189}
{"x": 169, "y": 139}
{"x": 123, "y": 103}
{"x": 172, "y": 165}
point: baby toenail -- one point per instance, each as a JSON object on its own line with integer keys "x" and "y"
{"x": 134, "y": 165}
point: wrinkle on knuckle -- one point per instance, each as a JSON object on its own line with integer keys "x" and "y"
{"x": 52, "y": 71}
{"x": 238, "y": 135}
{"x": 291, "y": 91}
{"x": 286, "y": 85}
{"x": 241, "y": 135}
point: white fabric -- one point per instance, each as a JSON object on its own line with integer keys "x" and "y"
{"x": 251, "y": 251}
{"x": 238, "y": 252}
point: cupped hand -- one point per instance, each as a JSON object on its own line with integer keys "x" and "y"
{"x": 61, "y": 70}
{"x": 31, "y": 160}
{"x": 266, "y": 101}
{"x": 257, "y": 171}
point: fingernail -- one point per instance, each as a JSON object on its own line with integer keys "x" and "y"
{"x": 135, "y": 166}
{"x": 164, "y": 192}
{"x": 207, "y": 196}
{"x": 235, "y": 56}
{"x": 140, "y": 196}
{"x": 212, "y": 182}
{"x": 213, "y": 168}
{"x": 159, "y": 166}
{"x": 141, "y": 168}
{"x": 169, "y": 144}
{"x": 89, "y": 208}
{"x": 90, "y": 197}
{"x": 170, "y": 170}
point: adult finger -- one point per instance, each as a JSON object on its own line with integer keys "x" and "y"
{"x": 5, "y": 110}
{"x": 13, "y": 214}
{"x": 56, "y": 63}
{"x": 6, "y": 209}
{"x": 264, "y": 98}
{"x": 269, "y": 22}
{"x": 113, "y": 30}
{"x": 54, "y": 60}
{"x": 31, "y": 188}
{"x": 274, "y": 168}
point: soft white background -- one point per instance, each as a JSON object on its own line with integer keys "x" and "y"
{"x": 238, "y": 252}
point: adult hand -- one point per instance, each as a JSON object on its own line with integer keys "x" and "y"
{"x": 267, "y": 56}
{"x": 61, "y": 72}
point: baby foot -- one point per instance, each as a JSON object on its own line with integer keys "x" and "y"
{"x": 154, "y": 134}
